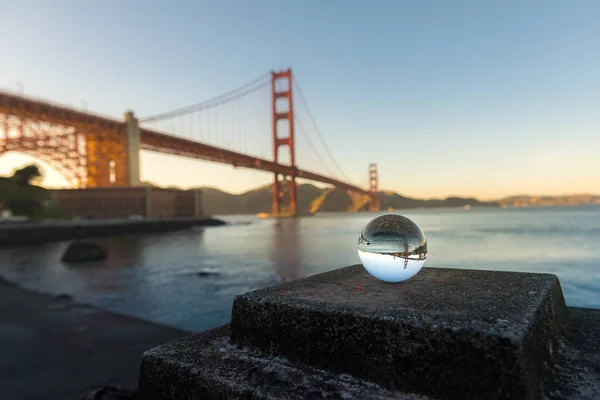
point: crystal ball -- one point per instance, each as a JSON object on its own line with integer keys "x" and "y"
{"x": 392, "y": 248}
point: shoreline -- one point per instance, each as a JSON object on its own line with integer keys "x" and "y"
{"x": 39, "y": 232}
{"x": 56, "y": 348}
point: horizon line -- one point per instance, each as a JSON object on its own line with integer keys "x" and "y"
{"x": 445, "y": 197}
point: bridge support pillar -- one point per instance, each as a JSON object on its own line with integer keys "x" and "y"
{"x": 276, "y": 209}
{"x": 132, "y": 132}
{"x": 284, "y": 189}
{"x": 375, "y": 203}
{"x": 283, "y": 111}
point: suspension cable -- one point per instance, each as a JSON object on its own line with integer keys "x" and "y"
{"x": 302, "y": 131}
{"x": 224, "y": 98}
{"x": 297, "y": 86}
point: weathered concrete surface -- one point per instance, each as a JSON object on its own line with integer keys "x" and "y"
{"x": 578, "y": 374}
{"x": 445, "y": 333}
{"x": 28, "y": 233}
{"x": 343, "y": 335}
{"x": 55, "y": 349}
{"x": 207, "y": 366}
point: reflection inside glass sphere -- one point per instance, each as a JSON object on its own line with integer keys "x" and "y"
{"x": 392, "y": 248}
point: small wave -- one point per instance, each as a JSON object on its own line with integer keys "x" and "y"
{"x": 540, "y": 231}
{"x": 238, "y": 223}
{"x": 435, "y": 229}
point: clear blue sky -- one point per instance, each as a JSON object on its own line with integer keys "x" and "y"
{"x": 473, "y": 98}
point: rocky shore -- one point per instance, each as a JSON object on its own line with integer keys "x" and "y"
{"x": 54, "y": 348}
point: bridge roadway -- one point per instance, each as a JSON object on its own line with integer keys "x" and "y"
{"x": 152, "y": 140}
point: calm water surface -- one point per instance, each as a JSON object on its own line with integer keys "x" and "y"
{"x": 156, "y": 277}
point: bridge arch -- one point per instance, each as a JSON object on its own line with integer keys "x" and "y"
{"x": 87, "y": 151}
{"x": 57, "y": 145}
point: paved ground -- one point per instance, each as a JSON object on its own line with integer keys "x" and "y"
{"x": 53, "y": 348}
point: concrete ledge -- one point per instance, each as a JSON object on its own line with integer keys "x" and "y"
{"x": 578, "y": 373}
{"x": 208, "y": 366}
{"x": 446, "y": 333}
{"x": 30, "y": 233}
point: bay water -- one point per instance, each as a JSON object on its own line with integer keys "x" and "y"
{"x": 188, "y": 279}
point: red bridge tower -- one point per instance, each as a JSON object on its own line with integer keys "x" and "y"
{"x": 284, "y": 187}
{"x": 374, "y": 188}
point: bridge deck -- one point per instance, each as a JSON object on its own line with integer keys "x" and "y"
{"x": 155, "y": 141}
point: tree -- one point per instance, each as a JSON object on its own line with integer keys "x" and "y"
{"x": 27, "y": 175}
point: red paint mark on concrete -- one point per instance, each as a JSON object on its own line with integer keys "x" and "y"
{"x": 359, "y": 288}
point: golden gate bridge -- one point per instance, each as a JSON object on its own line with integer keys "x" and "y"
{"x": 95, "y": 151}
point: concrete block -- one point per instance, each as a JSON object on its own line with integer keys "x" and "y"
{"x": 446, "y": 333}
{"x": 207, "y": 366}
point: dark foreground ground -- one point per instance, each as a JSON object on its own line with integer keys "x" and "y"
{"x": 52, "y": 348}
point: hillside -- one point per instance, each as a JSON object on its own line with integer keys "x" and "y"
{"x": 312, "y": 198}
{"x": 396, "y": 201}
{"x": 537, "y": 201}
{"x": 259, "y": 200}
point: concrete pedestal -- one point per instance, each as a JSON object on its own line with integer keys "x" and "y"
{"x": 444, "y": 334}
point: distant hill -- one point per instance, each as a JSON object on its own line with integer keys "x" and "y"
{"x": 536, "y": 201}
{"x": 394, "y": 200}
{"x": 259, "y": 200}
{"x": 312, "y": 198}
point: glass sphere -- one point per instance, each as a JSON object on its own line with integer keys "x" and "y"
{"x": 392, "y": 248}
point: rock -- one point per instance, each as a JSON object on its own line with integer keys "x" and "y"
{"x": 64, "y": 296}
{"x": 84, "y": 251}
{"x": 110, "y": 393}
{"x": 207, "y": 272}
